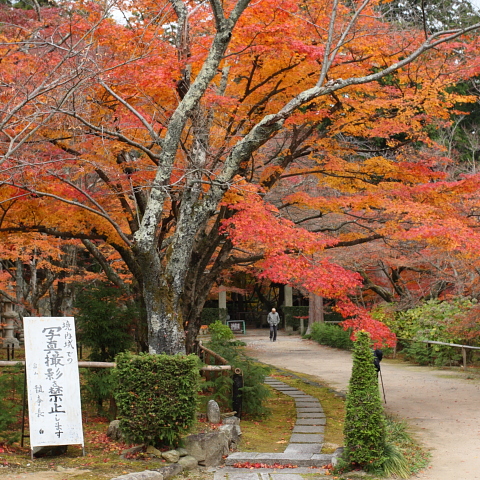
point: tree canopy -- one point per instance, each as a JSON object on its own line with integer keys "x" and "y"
{"x": 290, "y": 138}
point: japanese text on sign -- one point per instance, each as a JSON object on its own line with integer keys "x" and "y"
{"x": 55, "y": 414}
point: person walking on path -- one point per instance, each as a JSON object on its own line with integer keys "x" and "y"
{"x": 273, "y": 320}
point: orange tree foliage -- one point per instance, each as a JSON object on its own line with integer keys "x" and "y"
{"x": 197, "y": 136}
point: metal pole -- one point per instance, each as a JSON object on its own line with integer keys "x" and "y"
{"x": 237, "y": 397}
{"x": 383, "y": 388}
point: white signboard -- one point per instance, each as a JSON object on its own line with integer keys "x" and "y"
{"x": 53, "y": 383}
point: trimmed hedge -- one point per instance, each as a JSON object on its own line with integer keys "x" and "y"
{"x": 332, "y": 335}
{"x": 156, "y": 396}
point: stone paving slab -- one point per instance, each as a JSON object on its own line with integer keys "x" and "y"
{"x": 286, "y": 476}
{"x": 242, "y": 456}
{"x": 292, "y": 393}
{"x": 311, "y": 415}
{"x": 235, "y": 475}
{"x": 290, "y": 458}
{"x": 309, "y": 410}
{"x": 304, "y": 448}
{"x": 308, "y": 429}
{"x": 306, "y": 438}
{"x": 300, "y": 473}
{"x": 311, "y": 421}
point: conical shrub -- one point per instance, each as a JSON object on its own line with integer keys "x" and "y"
{"x": 365, "y": 420}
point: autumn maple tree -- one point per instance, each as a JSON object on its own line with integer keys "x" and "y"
{"x": 194, "y": 136}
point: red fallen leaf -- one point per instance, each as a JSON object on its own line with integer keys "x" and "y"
{"x": 252, "y": 466}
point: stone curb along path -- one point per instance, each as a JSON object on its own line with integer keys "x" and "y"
{"x": 303, "y": 449}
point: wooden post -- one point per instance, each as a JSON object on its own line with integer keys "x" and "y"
{"x": 464, "y": 355}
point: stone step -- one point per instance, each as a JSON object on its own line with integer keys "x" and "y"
{"x": 229, "y": 473}
{"x": 318, "y": 415}
{"x": 309, "y": 410}
{"x": 308, "y": 448}
{"x": 308, "y": 429}
{"x": 291, "y": 458}
{"x": 306, "y": 438}
{"x": 311, "y": 421}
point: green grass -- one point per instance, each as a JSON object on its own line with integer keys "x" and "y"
{"x": 398, "y": 435}
{"x": 272, "y": 433}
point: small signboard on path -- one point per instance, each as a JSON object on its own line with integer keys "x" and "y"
{"x": 53, "y": 383}
{"x": 236, "y": 326}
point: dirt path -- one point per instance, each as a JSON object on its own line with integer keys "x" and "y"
{"x": 442, "y": 406}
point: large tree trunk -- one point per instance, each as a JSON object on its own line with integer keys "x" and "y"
{"x": 164, "y": 313}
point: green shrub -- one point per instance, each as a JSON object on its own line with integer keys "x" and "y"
{"x": 156, "y": 396}
{"x": 104, "y": 322}
{"x": 332, "y": 335}
{"x": 292, "y": 312}
{"x": 429, "y": 321}
{"x": 11, "y": 393}
{"x": 211, "y": 315}
{"x": 364, "y": 429}
{"x": 254, "y": 391}
{"x": 217, "y": 386}
{"x": 438, "y": 355}
{"x": 418, "y": 353}
{"x": 433, "y": 320}
{"x": 220, "y": 332}
{"x": 98, "y": 387}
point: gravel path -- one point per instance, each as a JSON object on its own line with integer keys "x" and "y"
{"x": 442, "y": 406}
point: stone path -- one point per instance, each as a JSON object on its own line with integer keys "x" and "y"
{"x": 303, "y": 449}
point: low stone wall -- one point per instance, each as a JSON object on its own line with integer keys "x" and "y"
{"x": 202, "y": 449}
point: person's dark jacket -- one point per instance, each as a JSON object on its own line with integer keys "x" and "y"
{"x": 377, "y": 358}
